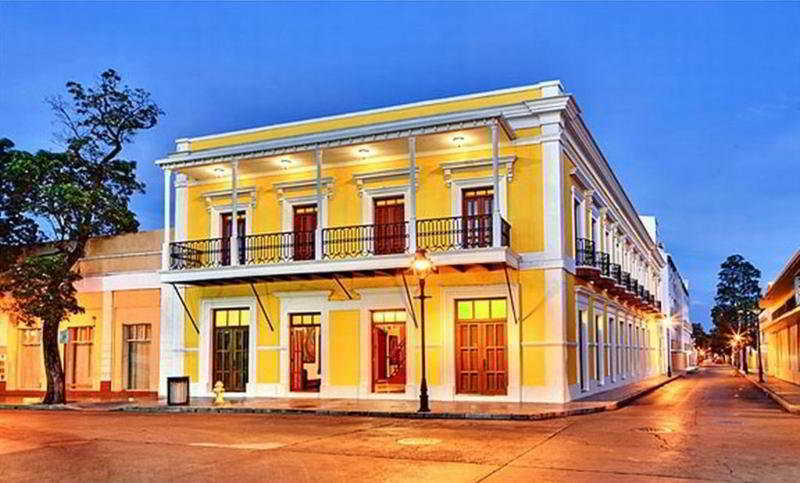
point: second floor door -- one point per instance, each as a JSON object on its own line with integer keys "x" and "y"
{"x": 227, "y": 231}
{"x": 305, "y": 224}
{"x": 476, "y": 209}
{"x": 390, "y": 226}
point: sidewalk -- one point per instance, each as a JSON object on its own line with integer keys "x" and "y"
{"x": 606, "y": 401}
{"x": 786, "y": 394}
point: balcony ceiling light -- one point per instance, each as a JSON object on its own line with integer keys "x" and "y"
{"x": 459, "y": 140}
{"x": 286, "y": 162}
{"x": 219, "y": 171}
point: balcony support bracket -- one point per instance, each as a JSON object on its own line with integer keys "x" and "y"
{"x": 261, "y": 306}
{"x": 346, "y": 292}
{"x": 183, "y": 302}
{"x": 510, "y": 295}
{"x": 410, "y": 300}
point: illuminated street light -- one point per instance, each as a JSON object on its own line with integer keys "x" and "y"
{"x": 422, "y": 267}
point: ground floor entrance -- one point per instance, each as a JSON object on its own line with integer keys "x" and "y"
{"x": 481, "y": 347}
{"x": 231, "y": 347}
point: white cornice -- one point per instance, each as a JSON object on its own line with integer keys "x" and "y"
{"x": 284, "y": 186}
{"x": 451, "y": 166}
{"x": 212, "y": 196}
{"x": 361, "y": 178}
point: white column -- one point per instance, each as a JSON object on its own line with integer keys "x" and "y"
{"x": 318, "y": 231}
{"x": 107, "y": 338}
{"x": 412, "y": 196}
{"x": 167, "y": 218}
{"x": 234, "y": 243}
{"x": 496, "y": 228}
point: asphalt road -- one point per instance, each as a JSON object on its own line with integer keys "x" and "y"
{"x": 708, "y": 426}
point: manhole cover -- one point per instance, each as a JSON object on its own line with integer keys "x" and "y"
{"x": 418, "y": 441}
{"x": 654, "y": 430}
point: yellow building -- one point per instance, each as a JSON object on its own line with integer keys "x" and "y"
{"x": 546, "y": 285}
{"x": 780, "y": 324}
{"x": 112, "y": 349}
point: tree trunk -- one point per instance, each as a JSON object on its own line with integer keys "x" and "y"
{"x": 56, "y": 388}
{"x": 744, "y": 359}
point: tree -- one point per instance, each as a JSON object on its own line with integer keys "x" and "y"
{"x": 699, "y": 335}
{"x": 736, "y": 302}
{"x": 61, "y": 200}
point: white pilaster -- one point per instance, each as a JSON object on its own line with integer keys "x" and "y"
{"x": 496, "y": 228}
{"x": 234, "y": 242}
{"x": 108, "y": 336}
{"x": 167, "y": 218}
{"x": 318, "y": 231}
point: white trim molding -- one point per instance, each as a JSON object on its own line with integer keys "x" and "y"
{"x": 284, "y": 186}
{"x": 387, "y": 174}
{"x": 449, "y": 167}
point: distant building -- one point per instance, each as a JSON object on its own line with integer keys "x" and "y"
{"x": 675, "y": 305}
{"x": 779, "y": 323}
{"x": 112, "y": 349}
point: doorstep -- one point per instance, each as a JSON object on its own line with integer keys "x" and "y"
{"x": 605, "y": 401}
{"x": 786, "y": 394}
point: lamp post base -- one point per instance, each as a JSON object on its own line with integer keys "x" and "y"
{"x": 424, "y": 406}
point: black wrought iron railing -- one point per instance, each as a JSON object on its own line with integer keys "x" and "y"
{"x": 604, "y": 264}
{"x": 460, "y": 232}
{"x": 634, "y": 286}
{"x": 626, "y": 281}
{"x": 640, "y": 291}
{"x": 356, "y": 241}
{"x": 584, "y": 253}
{"x": 363, "y": 240}
{"x": 646, "y": 296}
{"x": 279, "y": 247}
{"x": 616, "y": 273}
{"x": 197, "y": 254}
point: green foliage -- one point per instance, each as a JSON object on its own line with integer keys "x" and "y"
{"x": 53, "y": 203}
{"x": 701, "y": 339}
{"x": 738, "y": 293}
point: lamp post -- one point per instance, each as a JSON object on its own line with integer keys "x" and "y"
{"x": 668, "y": 323}
{"x": 422, "y": 267}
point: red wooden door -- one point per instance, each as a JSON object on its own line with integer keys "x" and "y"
{"x": 305, "y": 224}
{"x": 468, "y": 358}
{"x": 390, "y": 227}
{"x": 494, "y": 358}
{"x": 476, "y": 209}
{"x": 297, "y": 341}
{"x": 227, "y": 231}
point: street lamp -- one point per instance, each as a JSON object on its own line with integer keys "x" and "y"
{"x": 422, "y": 267}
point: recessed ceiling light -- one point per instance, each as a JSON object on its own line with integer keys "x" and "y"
{"x": 219, "y": 170}
{"x": 363, "y": 151}
{"x": 285, "y": 162}
{"x": 459, "y": 140}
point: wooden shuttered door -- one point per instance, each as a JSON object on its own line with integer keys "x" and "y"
{"x": 305, "y": 223}
{"x": 390, "y": 228}
{"x": 231, "y": 348}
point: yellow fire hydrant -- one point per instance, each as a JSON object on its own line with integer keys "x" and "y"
{"x": 219, "y": 390}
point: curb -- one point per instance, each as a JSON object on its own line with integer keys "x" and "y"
{"x": 545, "y": 415}
{"x": 786, "y": 405}
{"x": 629, "y": 399}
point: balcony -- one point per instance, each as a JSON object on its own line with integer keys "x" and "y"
{"x": 618, "y": 288}
{"x": 586, "y": 259}
{"x": 606, "y": 279}
{"x": 378, "y": 249}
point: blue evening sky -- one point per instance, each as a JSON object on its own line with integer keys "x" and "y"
{"x": 696, "y": 106}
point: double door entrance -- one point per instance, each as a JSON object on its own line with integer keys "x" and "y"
{"x": 231, "y": 348}
{"x": 481, "y": 347}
